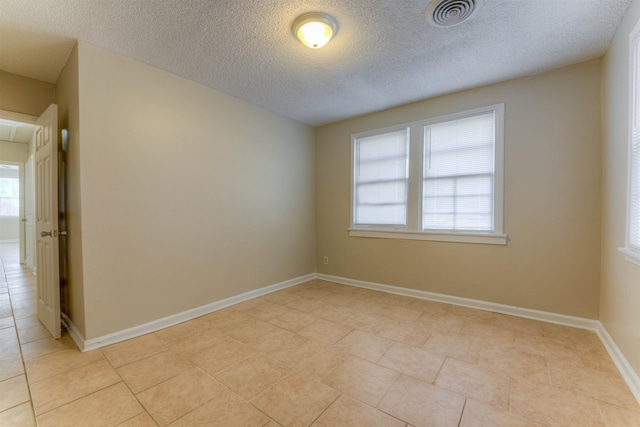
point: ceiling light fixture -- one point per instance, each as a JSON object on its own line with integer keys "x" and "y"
{"x": 315, "y": 29}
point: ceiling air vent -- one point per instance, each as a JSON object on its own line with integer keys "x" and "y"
{"x": 447, "y": 13}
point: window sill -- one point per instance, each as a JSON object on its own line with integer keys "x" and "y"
{"x": 483, "y": 238}
{"x": 630, "y": 255}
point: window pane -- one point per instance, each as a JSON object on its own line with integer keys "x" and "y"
{"x": 458, "y": 172}
{"x": 381, "y": 174}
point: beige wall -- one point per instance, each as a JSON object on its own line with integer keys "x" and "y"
{"x": 552, "y": 201}
{"x": 188, "y": 195}
{"x": 620, "y": 281}
{"x": 67, "y": 98}
{"x": 24, "y": 95}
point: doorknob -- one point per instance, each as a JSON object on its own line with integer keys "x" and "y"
{"x": 45, "y": 233}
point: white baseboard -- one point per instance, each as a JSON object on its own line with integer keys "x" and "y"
{"x": 626, "y": 370}
{"x": 9, "y": 241}
{"x": 165, "y": 322}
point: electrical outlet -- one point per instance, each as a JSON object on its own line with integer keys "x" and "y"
{"x": 326, "y": 260}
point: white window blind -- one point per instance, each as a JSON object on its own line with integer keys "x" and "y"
{"x": 380, "y": 179}
{"x": 458, "y": 174}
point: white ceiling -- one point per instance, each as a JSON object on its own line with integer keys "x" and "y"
{"x": 385, "y": 54}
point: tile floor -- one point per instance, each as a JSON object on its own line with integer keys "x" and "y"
{"x": 318, "y": 354}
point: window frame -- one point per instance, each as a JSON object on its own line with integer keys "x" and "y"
{"x": 630, "y": 250}
{"x": 413, "y": 229}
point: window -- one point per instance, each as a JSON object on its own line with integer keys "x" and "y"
{"x": 381, "y": 179}
{"x": 438, "y": 179}
{"x": 9, "y": 197}
{"x": 632, "y": 247}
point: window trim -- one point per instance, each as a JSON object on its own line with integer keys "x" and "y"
{"x": 413, "y": 231}
{"x": 631, "y": 253}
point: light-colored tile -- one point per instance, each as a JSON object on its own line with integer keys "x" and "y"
{"x": 465, "y": 348}
{"x": 174, "y": 398}
{"x": 364, "y": 345}
{"x": 346, "y": 411}
{"x": 153, "y": 370}
{"x": 509, "y": 361}
{"x": 33, "y": 333}
{"x": 191, "y": 336}
{"x": 306, "y": 305}
{"x": 477, "y": 414}
{"x": 470, "y": 380}
{"x": 604, "y": 386}
{"x": 6, "y": 322}
{"x": 18, "y": 416}
{"x": 277, "y": 341}
{"x": 224, "y": 410}
{"x": 48, "y": 345}
{"x": 140, "y": 420}
{"x": 267, "y": 310}
{"x": 494, "y": 335}
{"x": 24, "y": 312}
{"x": 566, "y": 333}
{"x": 421, "y": 404}
{"x": 225, "y": 318}
{"x": 13, "y": 392}
{"x": 132, "y": 350}
{"x": 293, "y": 320}
{"x": 249, "y": 330}
{"x": 365, "y": 321}
{"x": 615, "y": 416}
{"x": 56, "y": 391}
{"x": 11, "y": 366}
{"x": 280, "y": 297}
{"x": 59, "y": 362}
{"x": 473, "y": 314}
{"x": 449, "y": 324}
{"x": 28, "y": 322}
{"x": 548, "y": 347}
{"x": 296, "y": 400}
{"x": 361, "y": 379}
{"x": 399, "y": 314}
{"x": 251, "y": 376}
{"x": 334, "y": 313}
{"x": 8, "y": 336}
{"x": 312, "y": 359}
{"x": 325, "y": 331}
{"x": 552, "y": 406}
{"x": 516, "y": 324}
{"x": 413, "y": 334}
{"x": 108, "y": 407}
{"x": 224, "y": 353}
{"x": 413, "y": 362}
{"x": 430, "y": 309}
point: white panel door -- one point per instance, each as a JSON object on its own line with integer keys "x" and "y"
{"x": 29, "y": 210}
{"x": 46, "y": 165}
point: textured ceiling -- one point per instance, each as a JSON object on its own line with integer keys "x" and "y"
{"x": 384, "y": 55}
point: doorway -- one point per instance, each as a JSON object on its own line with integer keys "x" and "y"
{"x": 17, "y": 185}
